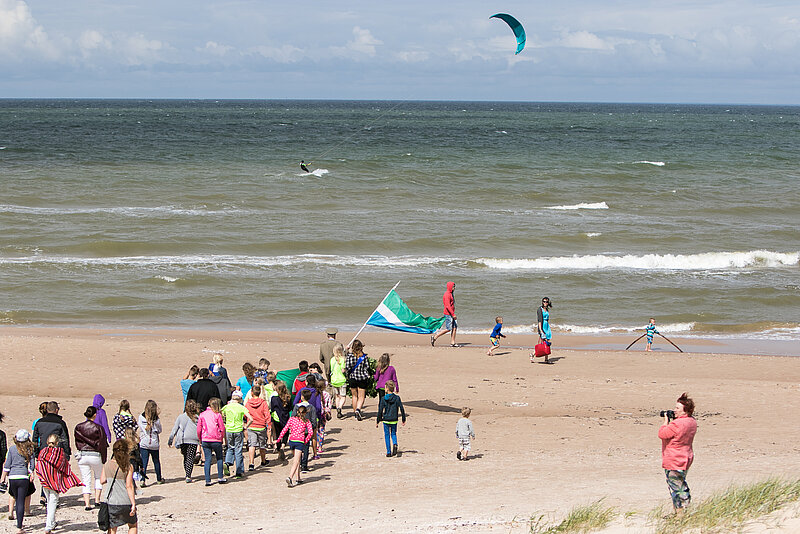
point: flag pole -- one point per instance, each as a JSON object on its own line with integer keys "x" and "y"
{"x": 370, "y": 315}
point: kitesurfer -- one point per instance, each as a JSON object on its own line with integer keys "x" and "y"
{"x": 303, "y": 166}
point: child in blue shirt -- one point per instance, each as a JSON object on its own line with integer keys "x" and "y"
{"x": 650, "y": 331}
{"x": 494, "y": 337}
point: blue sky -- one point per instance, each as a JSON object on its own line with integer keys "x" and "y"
{"x": 611, "y": 51}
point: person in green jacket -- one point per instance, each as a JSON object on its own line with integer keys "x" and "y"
{"x": 338, "y": 378}
{"x": 237, "y": 420}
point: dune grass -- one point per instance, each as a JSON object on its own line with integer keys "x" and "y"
{"x": 580, "y": 519}
{"x": 730, "y": 508}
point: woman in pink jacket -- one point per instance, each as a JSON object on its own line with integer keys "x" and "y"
{"x": 676, "y": 450}
{"x": 211, "y": 433}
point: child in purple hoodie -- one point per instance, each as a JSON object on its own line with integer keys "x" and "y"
{"x": 101, "y": 418}
{"x": 383, "y": 373}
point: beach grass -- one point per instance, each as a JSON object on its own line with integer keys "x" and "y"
{"x": 584, "y": 518}
{"x": 730, "y": 508}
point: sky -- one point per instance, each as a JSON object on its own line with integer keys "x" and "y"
{"x": 744, "y": 52}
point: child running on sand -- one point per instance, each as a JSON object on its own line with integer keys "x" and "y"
{"x": 650, "y": 331}
{"x": 494, "y": 337}
{"x": 389, "y": 407}
{"x": 300, "y": 431}
{"x": 464, "y": 433}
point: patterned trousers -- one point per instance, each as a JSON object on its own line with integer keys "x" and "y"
{"x": 189, "y": 452}
{"x": 678, "y": 489}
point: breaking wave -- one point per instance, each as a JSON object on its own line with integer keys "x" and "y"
{"x": 678, "y": 262}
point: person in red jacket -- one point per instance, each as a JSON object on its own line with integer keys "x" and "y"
{"x": 676, "y": 450}
{"x": 450, "y": 324}
{"x": 258, "y": 430}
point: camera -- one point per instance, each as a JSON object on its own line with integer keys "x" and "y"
{"x": 669, "y": 413}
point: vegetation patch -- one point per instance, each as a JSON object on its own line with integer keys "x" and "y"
{"x": 580, "y": 519}
{"x": 730, "y": 508}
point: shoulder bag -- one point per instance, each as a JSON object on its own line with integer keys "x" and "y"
{"x": 103, "y": 519}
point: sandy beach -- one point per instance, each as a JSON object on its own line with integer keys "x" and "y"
{"x": 549, "y": 437}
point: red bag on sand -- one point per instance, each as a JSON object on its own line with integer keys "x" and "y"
{"x": 542, "y": 349}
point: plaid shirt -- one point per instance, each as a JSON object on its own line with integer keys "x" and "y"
{"x": 357, "y": 373}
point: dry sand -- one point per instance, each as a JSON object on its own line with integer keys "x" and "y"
{"x": 549, "y": 437}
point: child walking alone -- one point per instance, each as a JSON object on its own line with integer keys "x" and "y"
{"x": 650, "y": 331}
{"x": 494, "y": 337}
{"x": 465, "y": 434}
{"x": 389, "y": 407}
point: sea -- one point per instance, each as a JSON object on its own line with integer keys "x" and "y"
{"x": 196, "y": 214}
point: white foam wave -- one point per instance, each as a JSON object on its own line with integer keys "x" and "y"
{"x": 169, "y": 279}
{"x": 579, "y": 329}
{"x": 221, "y": 261}
{"x": 645, "y": 162}
{"x": 678, "y": 262}
{"x": 129, "y": 211}
{"x": 316, "y": 172}
{"x": 593, "y": 234}
{"x": 582, "y": 206}
{"x": 592, "y": 329}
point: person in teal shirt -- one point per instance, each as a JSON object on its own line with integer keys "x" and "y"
{"x": 246, "y": 382}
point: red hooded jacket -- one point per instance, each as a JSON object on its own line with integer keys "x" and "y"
{"x": 449, "y": 300}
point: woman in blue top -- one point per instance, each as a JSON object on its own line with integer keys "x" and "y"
{"x": 543, "y": 324}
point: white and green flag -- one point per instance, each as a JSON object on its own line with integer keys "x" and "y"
{"x": 395, "y": 314}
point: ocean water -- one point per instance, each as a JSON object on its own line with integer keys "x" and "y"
{"x": 196, "y": 214}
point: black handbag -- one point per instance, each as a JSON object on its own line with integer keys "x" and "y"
{"x": 103, "y": 518}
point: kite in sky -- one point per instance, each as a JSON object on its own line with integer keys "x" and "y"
{"x": 516, "y": 26}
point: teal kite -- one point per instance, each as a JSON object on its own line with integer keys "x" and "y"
{"x": 516, "y": 26}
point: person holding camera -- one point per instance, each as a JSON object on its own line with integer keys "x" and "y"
{"x": 677, "y": 434}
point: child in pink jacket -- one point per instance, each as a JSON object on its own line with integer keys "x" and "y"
{"x": 300, "y": 432}
{"x": 211, "y": 433}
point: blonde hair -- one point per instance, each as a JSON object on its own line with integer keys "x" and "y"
{"x": 131, "y": 435}
{"x": 151, "y": 412}
{"x": 215, "y": 404}
{"x": 383, "y": 361}
{"x": 25, "y": 448}
{"x": 218, "y": 358}
{"x": 338, "y": 351}
{"x": 465, "y": 411}
{"x": 390, "y": 386}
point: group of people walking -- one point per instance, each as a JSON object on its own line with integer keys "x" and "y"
{"x": 222, "y": 422}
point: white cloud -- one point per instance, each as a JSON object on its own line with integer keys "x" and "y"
{"x": 412, "y": 56}
{"x": 364, "y": 42}
{"x": 21, "y": 37}
{"x": 137, "y": 49}
{"x": 281, "y": 54}
{"x": 91, "y": 41}
{"x": 583, "y": 39}
{"x": 215, "y": 49}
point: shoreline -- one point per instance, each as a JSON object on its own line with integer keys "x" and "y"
{"x": 523, "y": 341}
